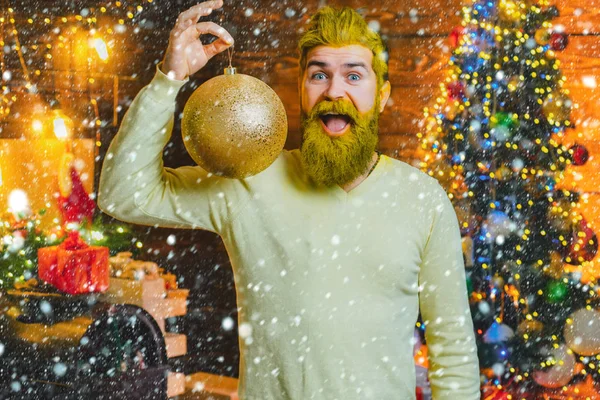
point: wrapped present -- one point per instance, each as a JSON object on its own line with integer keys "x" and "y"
{"x": 74, "y": 267}
{"x": 125, "y": 267}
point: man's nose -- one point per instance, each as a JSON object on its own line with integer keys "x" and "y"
{"x": 336, "y": 89}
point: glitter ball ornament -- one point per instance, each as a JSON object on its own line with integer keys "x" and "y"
{"x": 559, "y": 41}
{"x": 560, "y": 372}
{"x": 579, "y": 155}
{"x": 234, "y": 125}
{"x": 582, "y": 332}
{"x": 557, "y": 108}
{"x": 542, "y": 36}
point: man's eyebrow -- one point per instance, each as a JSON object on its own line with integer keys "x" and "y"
{"x": 317, "y": 63}
{"x": 356, "y": 64}
{"x": 323, "y": 64}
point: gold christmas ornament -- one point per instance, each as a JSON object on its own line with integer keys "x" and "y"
{"x": 234, "y": 125}
{"x": 503, "y": 173}
{"x": 555, "y": 269}
{"x": 514, "y": 83}
{"x": 509, "y": 11}
{"x": 559, "y": 215}
{"x": 557, "y": 108}
{"x": 542, "y": 36}
{"x": 529, "y": 327}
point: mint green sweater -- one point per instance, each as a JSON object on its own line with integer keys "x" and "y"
{"x": 328, "y": 283}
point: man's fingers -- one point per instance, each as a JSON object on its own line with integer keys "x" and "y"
{"x": 216, "y": 47}
{"x": 214, "y": 29}
{"x": 221, "y": 44}
{"x": 199, "y": 10}
{"x": 193, "y": 14}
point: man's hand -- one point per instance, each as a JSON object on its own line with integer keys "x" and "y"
{"x": 186, "y": 54}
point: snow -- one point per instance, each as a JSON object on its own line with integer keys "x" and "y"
{"x": 60, "y": 369}
{"x": 245, "y": 330}
{"x": 335, "y": 240}
{"x": 171, "y": 239}
{"x": 589, "y": 81}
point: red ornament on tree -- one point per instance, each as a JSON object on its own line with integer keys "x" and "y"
{"x": 559, "y": 41}
{"x": 455, "y": 35}
{"x": 580, "y": 154}
{"x": 583, "y": 244}
{"x": 456, "y": 90}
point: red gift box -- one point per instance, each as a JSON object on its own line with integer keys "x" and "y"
{"x": 75, "y": 267}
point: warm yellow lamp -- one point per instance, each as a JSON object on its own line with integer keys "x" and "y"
{"x": 18, "y": 203}
{"x": 99, "y": 45}
{"x": 62, "y": 125}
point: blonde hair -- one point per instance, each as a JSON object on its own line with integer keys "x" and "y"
{"x": 344, "y": 27}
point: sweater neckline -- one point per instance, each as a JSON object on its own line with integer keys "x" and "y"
{"x": 365, "y": 185}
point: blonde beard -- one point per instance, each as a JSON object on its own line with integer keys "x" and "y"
{"x": 330, "y": 161}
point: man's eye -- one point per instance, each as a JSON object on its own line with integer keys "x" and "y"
{"x": 354, "y": 77}
{"x": 319, "y": 76}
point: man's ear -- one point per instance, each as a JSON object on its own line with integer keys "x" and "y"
{"x": 384, "y": 95}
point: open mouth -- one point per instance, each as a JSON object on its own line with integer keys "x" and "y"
{"x": 335, "y": 124}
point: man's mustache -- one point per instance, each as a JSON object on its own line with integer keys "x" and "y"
{"x": 342, "y": 107}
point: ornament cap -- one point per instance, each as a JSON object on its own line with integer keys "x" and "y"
{"x": 230, "y": 71}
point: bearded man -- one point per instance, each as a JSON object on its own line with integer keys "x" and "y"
{"x": 334, "y": 247}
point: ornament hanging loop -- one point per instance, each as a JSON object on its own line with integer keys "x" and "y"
{"x": 230, "y": 70}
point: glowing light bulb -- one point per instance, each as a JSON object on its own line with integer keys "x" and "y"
{"x": 18, "y": 202}
{"x": 37, "y": 126}
{"x": 62, "y": 125}
{"x": 101, "y": 48}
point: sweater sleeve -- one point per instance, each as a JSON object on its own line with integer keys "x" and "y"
{"x": 454, "y": 367}
{"x": 135, "y": 186}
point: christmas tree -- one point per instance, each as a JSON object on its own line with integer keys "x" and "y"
{"x": 20, "y": 238}
{"x": 493, "y": 140}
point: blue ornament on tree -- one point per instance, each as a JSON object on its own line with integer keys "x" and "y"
{"x": 484, "y": 9}
{"x": 472, "y": 62}
{"x": 498, "y": 333}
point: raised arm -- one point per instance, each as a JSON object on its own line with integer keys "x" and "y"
{"x": 134, "y": 185}
{"x": 454, "y": 367}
